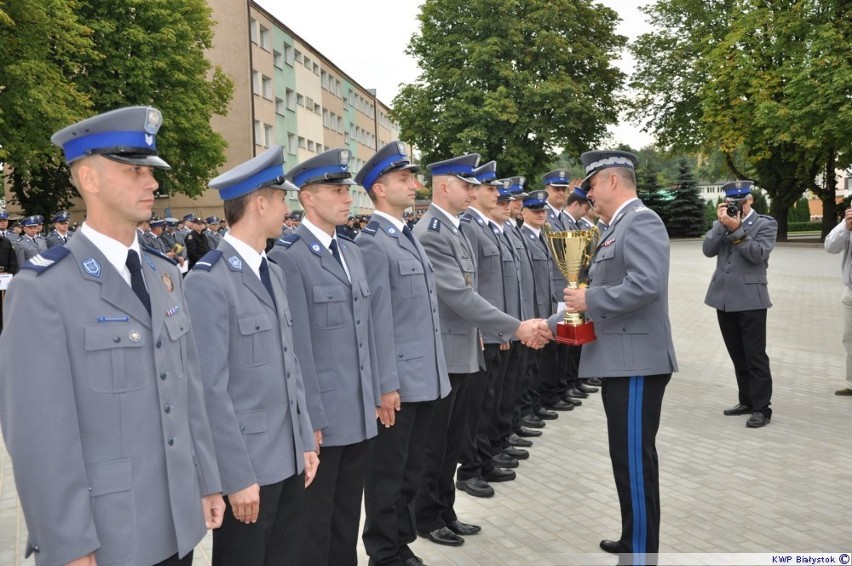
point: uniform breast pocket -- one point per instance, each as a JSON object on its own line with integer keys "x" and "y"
{"x": 411, "y": 281}
{"x": 329, "y": 304}
{"x": 490, "y": 260}
{"x": 116, "y": 357}
{"x": 177, "y": 326}
{"x": 256, "y": 342}
{"x": 602, "y": 267}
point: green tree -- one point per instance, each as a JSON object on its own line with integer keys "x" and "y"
{"x": 649, "y": 189}
{"x": 770, "y": 80}
{"x": 511, "y": 80}
{"x": 147, "y": 52}
{"x": 686, "y": 210}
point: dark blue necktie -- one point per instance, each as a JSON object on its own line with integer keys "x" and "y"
{"x": 335, "y": 252}
{"x": 407, "y": 231}
{"x": 137, "y": 282}
{"x": 266, "y": 280}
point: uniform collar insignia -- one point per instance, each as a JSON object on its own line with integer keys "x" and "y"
{"x": 235, "y": 263}
{"x": 316, "y": 248}
{"x": 391, "y": 230}
{"x": 479, "y": 220}
{"x": 92, "y": 267}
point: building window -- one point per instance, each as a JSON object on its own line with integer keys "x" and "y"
{"x": 278, "y": 59}
{"x": 289, "y": 54}
{"x": 346, "y": 138}
{"x": 317, "y": 109}
{"x": 316, "y": 69}
{"x": 300, "y": 100}
{"x": 255, "y": 82}
{"x": 291, "y": 99}
{"x": 326, "y": 120}
{"x": 266, "y": 84}
{"x": 253, "y": 30}
{"x": 338, "y": 89}
{"x": 291, "y": 144}
{"x": 301, "y": 142}
{"x": 309, "y": 103}
{"x": 267, "y": 137}
{"x": 324, "y": 80}
{"x": 279, "y": 106}
{"x": 262, "y": 134}
{"x": 311, "y": 147}
{"x": 264, "y": 38}
{"x": 307, "y": 63}
{"x": 298, "y": 56}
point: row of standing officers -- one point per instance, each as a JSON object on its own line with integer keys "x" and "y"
{"x": 370, "y": 367}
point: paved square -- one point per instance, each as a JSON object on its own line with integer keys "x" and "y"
{"x": 724, "y": 488}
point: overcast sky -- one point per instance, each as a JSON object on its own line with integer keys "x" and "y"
{"x": 348, "y": 33}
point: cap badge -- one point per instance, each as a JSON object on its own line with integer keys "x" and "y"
{"x": 344, "y": 157}
{"x": 400, "y": 147}
{"x": 153, "y": 120}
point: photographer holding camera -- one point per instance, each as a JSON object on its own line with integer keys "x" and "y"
{"x": 741, "y": 240}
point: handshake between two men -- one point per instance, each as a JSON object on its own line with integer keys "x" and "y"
{"x": 535, "y": 332}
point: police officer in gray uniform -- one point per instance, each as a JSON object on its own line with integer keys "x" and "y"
{"x": 333, "y": 332}
{"x": 411, "y": 364}
{"x": 633, "y": 355}
{"x": 212, "y": 232}
{"x": 461, "y": 310}
{"x": 60, "y": 234}
{"x": 741, "y": 240}
{"x": 30, "y": 244}
{"x": 252, "y": 379}
{"x": 108, "y": 434}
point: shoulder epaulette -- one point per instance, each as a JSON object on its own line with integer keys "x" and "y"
{"x": 157, "y": 253}
{"x": 207, "y": 262}
{"x": 287, "y": 240}
{"x": 435, "y": 225}
{"x": 347, "y": 238}
{"x": 466, "y": 217}
{"x": 371, "y": 228}
{"x": 46, "y": 259}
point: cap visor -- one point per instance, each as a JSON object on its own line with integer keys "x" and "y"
{"x": 471, "y": 180}
{"x": 146, "y": 160}
{"x": 585, "y": 183}
{"x": 285, "y": 186}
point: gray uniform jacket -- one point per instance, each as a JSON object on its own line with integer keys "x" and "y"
{"x": 628, "y": 299}
{"x": 541, "y": 267}
{"x": 107, "y": 428}
{"x": 213, "y": 238}
{"x": 460, "y": 308}
{"x": 252, "y": 379}
{"x": 26, "y": 248}
{"x": 405, "y": 312}
{"x": 54, "y": 239}
{"x": 523, "y": 269}
{"x": 333, "y": 336}
{"x": 490, "y": 256}
{"x": 739, "y": 282}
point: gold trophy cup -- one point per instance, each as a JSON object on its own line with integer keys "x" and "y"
{"x": 572, "y": 251}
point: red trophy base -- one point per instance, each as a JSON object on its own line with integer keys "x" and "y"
{"x": 575, "y": 335}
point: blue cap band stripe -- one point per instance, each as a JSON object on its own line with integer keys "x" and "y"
{"x": 316, "y": 175}
{"x": 376, "y": 171}
{"x": 453, "y": 169}
{"x": 256, "y": 181}
{"x": 486, "y": 176}
{"x": 78, "y": 147}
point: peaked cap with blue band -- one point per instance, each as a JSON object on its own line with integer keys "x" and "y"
{"x": 213, "y": 220}
{"x": 594, "y": 161}
{"x": 487, "y": 174}
{"x": 578, "y": 192}
{"x": 391, "y": 157}
{"x": 329, "y": 167}
{"x": 264, "y": 170}
{"x": 515, "y": 185}
{"x": 737, "y": 190}
{"x": 61, "y": 216}
{"x": 127, "y": 135}
{"x": 535, "y": 199}
{"x": 557, "y": 178}
{"x": 33, "y": 221}
{"x": 4, "y": 215}
{"x": 157, "y": 223}
{"x": 462, "y": 167}
{"x": 504, "y": 194}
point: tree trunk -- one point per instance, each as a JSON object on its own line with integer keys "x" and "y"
{"x": 829, "y": 202}
{"x": 779, "y": 212}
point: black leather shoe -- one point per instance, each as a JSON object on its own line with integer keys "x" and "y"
{"x": 443, "y": 536}
{"x": 525, "y": 432}
{"x": 586, "y": 388}
{"x": 561, "y": 406}
{"x": 518, "y": 442}
{"x": 413, "y": 561}
{"x": 516, "y": 453}
{"x": 546, "y": 415}
{"x": 757, "y": 420}
{"x": 477, "y": 487}
{"x": 575, "y": 402}
{"x": 499, "y": 474}
{"x": 576, "y": 393}
{"x": 593, "y": 381}
{"x": 531, "y": 421}
{"x": 614, "y": 547}
{"x": 844, "y": 392}
{"x": 505, "y": 461}
{"x": 738, "y": 409}
{"x": 463, "y": 529}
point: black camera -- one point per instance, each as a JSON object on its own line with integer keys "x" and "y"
{"x": 735, "y": 207}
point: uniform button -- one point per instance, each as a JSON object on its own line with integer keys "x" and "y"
{"x": 362, "y": 368}
{"x": 163, "y": 376}
{"x": 256, "y": 327}
{"x": 360, "y": 344}
{"x": 400, "y": 355}
{"x": 329, "y": 296}
{"x": 167, "y": 409}
{"x": 356, "y": 299}
{"x": 242, "y": 428}
{"x": 357, "y": 322}
{"x": 291, "y": 402}
{"x": 171, "y": 441}
{"x": 288, "y": 375}
{"x": 159, "y": 343}
{"x": 116, "y": 339}
{"x": 285, "y": 348}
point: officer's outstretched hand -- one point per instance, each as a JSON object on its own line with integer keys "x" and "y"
{"x": 311, "y": 465}
{"x": 214, "y": 510}
{"x": 534, "y": 333}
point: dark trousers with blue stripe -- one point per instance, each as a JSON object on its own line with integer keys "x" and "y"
{"x": 632, "y": 406}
